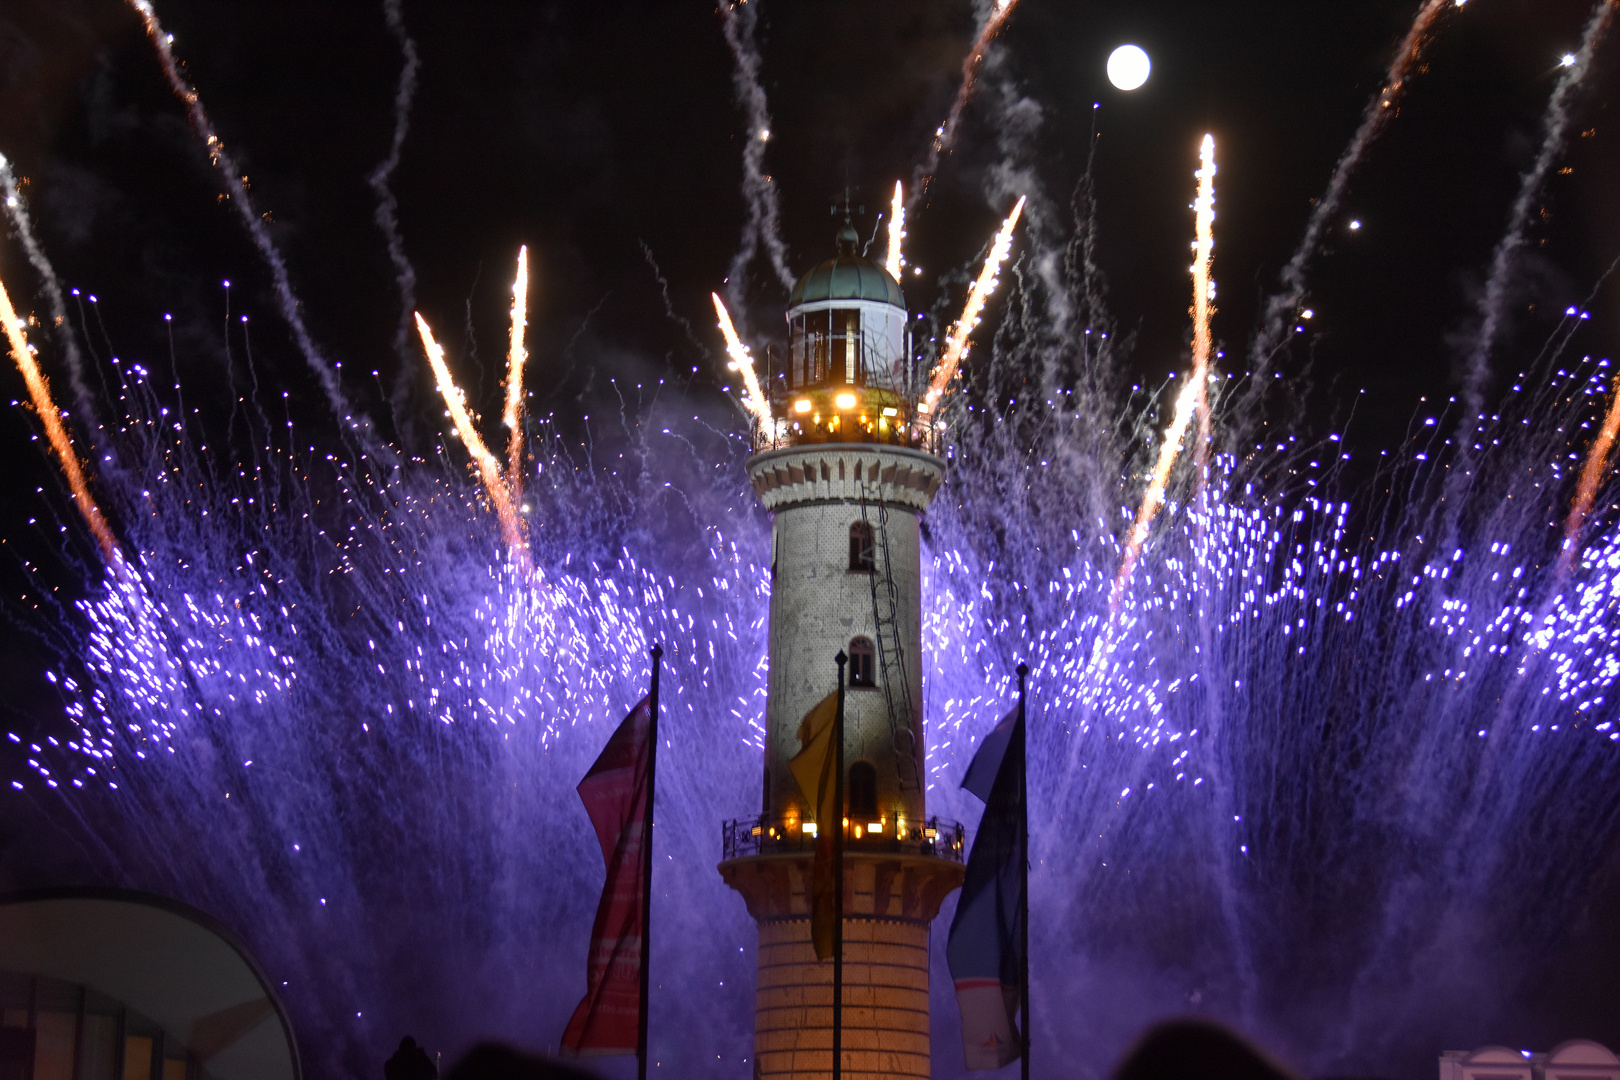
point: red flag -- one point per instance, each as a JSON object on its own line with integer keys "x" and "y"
{"x": 615, "y": 795}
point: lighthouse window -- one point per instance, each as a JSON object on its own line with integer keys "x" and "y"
{"x": 811, "y": 347}
{"x": 847, "y": 346}
{"x": 862, "y": 555}
{"x": 861, "y": 662}
{"x": 826, "y": 346}
{"x": 862, "y": 791}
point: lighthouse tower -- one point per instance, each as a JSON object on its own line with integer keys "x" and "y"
{"x": 845, "y": 470}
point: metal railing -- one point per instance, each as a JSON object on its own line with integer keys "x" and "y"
{"x": 772, "y": 834}
{"x": 787, "y": 430}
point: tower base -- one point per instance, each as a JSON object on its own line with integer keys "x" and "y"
{"x": 889, "y": 901}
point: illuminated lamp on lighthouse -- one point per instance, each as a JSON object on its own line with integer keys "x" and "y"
{"x": 844, "y": 465}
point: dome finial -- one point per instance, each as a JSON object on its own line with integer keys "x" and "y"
{"x": 847, "y": 237}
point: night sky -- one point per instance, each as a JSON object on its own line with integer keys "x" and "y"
{"x": 607, "y": 137}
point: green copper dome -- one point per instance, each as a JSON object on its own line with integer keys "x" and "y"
{"x": 847, "y": 276}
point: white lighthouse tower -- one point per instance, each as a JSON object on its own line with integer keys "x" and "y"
{"x": 844, "y": 469}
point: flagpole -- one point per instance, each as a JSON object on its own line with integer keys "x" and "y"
{"x": 838, "y": 878}
{"x": 647, "y": 863}
{"x": 1023, "y": 869}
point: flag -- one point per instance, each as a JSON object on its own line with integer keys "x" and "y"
{"x": 815, "y": 767}
{"x": 986, "y": 763}
{"x": 985, "y": 948}
{"x": 615, "y": 793}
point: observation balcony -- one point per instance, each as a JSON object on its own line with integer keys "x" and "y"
{"x": 775, "y": 834}
{"x": 844, "y": 413}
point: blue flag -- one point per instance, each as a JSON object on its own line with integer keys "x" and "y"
{"x": 985, "y": 949}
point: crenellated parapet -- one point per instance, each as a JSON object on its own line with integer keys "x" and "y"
{"x": 848, "y": 473}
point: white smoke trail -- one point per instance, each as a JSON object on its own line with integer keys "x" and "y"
{"x": 945, "y": 134}
{"x": 23, "y": 224}
{"x": 1281, "y": 307}
{"x": 387, "y": 215}
{"x": 762, "y": 228}
{"x": 236, "y": 189}
{"x": 1493, "y": 301}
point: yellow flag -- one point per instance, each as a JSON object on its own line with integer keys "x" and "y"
{"x": 815, "y": 768}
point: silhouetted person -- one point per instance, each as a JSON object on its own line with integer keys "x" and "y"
{"x": 410, "y": 1062}
{"x": 492, "y": 1061}
{"x": 1195, "y": 1050}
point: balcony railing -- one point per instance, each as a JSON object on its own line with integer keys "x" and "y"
{"x": 772, "y": 834}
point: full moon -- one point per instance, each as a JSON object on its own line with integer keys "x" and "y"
{"x": 1128, "y": 67}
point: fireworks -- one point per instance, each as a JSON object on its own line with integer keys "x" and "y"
{"x": 1310, "y": 730}
{"x": 512, "y": 417}
{"x": 956, "y": 342}
{"x": 1281, "y": 308}
{"x": 945, "y": 134}
{"x": 51, "y": 417}
{"x": 743, "y": 364}
{"x": 1194, "y": 395}
{"x": 235, "y": 182}
{"x": 897, "y": 231}
{"x": 489, "y": 470}
{"x": 1586, "y": 491}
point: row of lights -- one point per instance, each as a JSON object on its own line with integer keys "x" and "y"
{"x": 845, "y": 402}
{"x": 808, "y": 828}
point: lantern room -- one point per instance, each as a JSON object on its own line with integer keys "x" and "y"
{"x": 848, "y": 359}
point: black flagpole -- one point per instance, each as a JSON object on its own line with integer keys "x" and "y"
{"x": 647, "y": 863}
{"x": 1023, "y": 869}
{"x": 838, "y": 880}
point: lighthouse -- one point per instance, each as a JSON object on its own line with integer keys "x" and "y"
{"x": 845, "y": 468}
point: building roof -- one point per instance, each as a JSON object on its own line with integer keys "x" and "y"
{"x": 847, "y": 276}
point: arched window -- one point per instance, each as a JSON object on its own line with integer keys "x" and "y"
{"x": 862, "y": 792}
{"x": 862, "y": 554}
{"x": 862, "y": 663}
{"x": 766, "y": 802}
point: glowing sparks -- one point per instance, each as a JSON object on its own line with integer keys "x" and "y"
{"x": 39, "y": 391}
{"x": 742, "y": 362}
{"x": 1597, "y": 459}
{"x": 1203, "y": 305}
{"x": 897, "y": 231}
{"x": 515, "y": 357}
{"x": 489, "y": 469}
{"x": 1153, "y": 498}
{"x": 1194, "y": 396}
{"x": 956, "y": 343}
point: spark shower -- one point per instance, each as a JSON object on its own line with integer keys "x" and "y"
{"x": 1366, "y": 725}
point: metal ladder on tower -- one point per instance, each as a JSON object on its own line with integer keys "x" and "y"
{"x": 891, "y": 657}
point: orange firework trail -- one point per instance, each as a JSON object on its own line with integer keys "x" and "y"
{"x": 1597, "y": 460}
{"x": 897, "y": 230}
{"x": 1194, "y": 395}
{"x": 956, "y": 342}
{"x": 515, "y": 357}
{"x": 743, "y": 363}
{"x": 945, "y": 135}
{"x": 40, "y": 391}
{"x": 489, "y": 469}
